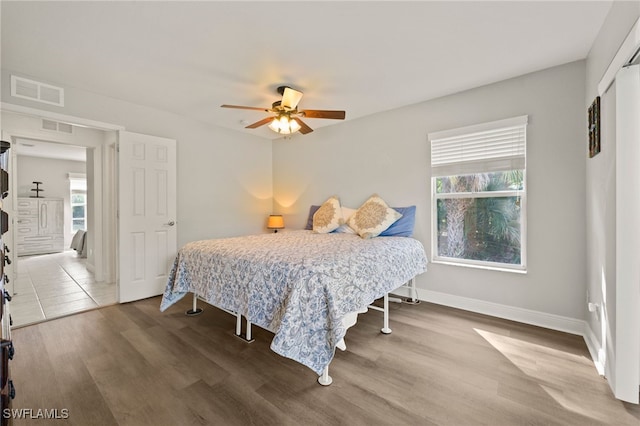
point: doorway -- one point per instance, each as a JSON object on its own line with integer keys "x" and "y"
{"x": 49, "y": 282}
{"x": 53, "y": 282}
{"x": 152, "y": 160}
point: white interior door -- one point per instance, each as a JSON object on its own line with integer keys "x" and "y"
{"x": 147, "y": 214}
{"x": 627, "y": 325}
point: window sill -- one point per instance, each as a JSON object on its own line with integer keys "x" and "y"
{"x": 485, "y": 267}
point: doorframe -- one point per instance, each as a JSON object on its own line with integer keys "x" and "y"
{"x": 105, "y": 175}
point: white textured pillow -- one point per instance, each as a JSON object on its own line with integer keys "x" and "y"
{"x": 346, "y": 215}
{"x": 328, "y": 217}
{"x": 373, "y": 217}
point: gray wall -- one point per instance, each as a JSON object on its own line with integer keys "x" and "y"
{"x": 388, "y": 154}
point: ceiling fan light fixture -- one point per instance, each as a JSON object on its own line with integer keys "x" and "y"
{"x": 284, "y": 125}
{"x": 294, "y": 126}
{"x": 287, "y": 118}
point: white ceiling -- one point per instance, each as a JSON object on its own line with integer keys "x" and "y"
{"x": 363, "y": 57}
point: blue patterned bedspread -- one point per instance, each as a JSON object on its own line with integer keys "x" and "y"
{"x": 297, "y": 284}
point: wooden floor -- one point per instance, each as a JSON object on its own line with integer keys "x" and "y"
{"x": 132, "y": 365}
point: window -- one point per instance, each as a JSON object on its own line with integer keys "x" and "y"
{"x": 78, "y": 210}
{"x": 78, "y": 186}
{"x": 479, "y": 194}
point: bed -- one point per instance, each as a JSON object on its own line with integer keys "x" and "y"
{"x": 304, "y": 287}
{"x": 79, "y": 243}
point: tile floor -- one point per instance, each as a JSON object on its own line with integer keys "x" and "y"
{"x": 55, "y": 285}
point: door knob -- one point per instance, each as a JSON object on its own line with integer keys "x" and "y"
{"x": 170, "y": 223}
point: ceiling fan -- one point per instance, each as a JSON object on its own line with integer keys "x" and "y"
{"x": 287, "y": 115}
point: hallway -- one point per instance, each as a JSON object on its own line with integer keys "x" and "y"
{"x": 54, "y": 285}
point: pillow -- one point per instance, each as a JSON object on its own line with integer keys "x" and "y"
{"x": 328, "y": 217}
{"x": 403, "y": 227}
{"x": 373, "y": 217}
{"x": 312, "y": 211}
{"x": 344, "y": 228}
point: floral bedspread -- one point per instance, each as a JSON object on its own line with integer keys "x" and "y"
{"x": 297, "y": 284}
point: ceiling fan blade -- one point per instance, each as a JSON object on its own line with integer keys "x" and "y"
{"x": 246, "y": 107}
{"x": 304, "y": 129}
{"x": 290, "y": 98}
{"x": 260, "y": 123}
{"x": 318, "y": 113}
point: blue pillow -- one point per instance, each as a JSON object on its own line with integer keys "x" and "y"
{"x": 402, "y": 227}
{"x": 312, "y": 211}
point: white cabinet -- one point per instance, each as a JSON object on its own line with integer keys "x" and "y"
{"x": 40, "y": 226}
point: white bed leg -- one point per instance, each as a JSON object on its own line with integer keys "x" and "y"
{"x": 247, "y": 336}
{"x": 325, "y": 379}
{"x": 195, "y": 311}
{"x": 414, "y": 293}
{"x": 386, "y": 329}
{"x": 238, "y": 324}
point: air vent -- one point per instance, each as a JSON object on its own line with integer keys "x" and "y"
{"x": 65, "y": 128}
{"x": 36, "y": 91}
{"x": 50, "y": 125}
{"x": 55, "y": 126}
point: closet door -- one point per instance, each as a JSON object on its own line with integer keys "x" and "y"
{"x": 626, "y": 339}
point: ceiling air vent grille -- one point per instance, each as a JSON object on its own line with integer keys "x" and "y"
{"x": 36, "y": 91}
{"x": 55, "y": 126}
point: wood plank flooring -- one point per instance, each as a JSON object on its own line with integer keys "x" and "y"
{"x": 131, "y": 364}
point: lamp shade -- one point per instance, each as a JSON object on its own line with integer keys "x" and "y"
{"x": 284, "y": 125}
{"x": 275, "y": 222}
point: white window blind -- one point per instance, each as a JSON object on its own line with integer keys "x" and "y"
{"x": 488, "y": 147}
{"x": 78, "y": 181}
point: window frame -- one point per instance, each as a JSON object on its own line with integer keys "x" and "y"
{"x": 522, "y": 193}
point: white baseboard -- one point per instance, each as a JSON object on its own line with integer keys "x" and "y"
{"x": 526, "y": 316}
{"x": 595, "y": 349}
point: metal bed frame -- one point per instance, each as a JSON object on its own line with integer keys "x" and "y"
{"x": 324, "y": 379}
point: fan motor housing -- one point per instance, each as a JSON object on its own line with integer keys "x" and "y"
{"x": 280, "y": 90}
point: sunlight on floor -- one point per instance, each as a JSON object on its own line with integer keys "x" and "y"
{"x": 55, "y": 285}
{"x": 550, "y": 374}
